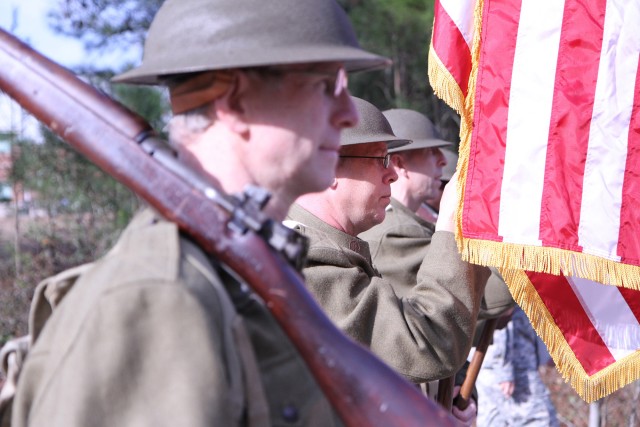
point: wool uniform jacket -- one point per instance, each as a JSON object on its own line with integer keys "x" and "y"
{"x": 150, "y": 336}
{"x": 425, "y": 334}
{"x": 400, "y": 243}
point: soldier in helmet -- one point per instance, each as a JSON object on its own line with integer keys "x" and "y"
{"x": 430, "y": 208}
{"x": 156, "y": 332}
{"x": 400, "y": 243}
{"x": 424, "y": 334}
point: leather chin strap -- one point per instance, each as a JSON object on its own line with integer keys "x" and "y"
{"x": 199, "y": 90}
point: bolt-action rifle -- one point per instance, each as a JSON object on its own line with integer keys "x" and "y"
{"x": 362, "y": 389}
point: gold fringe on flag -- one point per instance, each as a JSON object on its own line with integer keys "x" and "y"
{"x": 505, "y": 255}
{"x": 589, "y": 388}
{"x": 466, "y": 119}
{"x": 550, "y": 260}
{"x": 444, "y": 85}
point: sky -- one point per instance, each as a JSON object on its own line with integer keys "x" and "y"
{"x": 31, "y": 27}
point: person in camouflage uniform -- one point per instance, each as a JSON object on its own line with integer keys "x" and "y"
{"x": 510, "y": 388}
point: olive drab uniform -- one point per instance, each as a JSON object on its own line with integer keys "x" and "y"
{"x": 156, "y": 333}
{"x": 414, "y": 334}
{"x": 399, "y": 244}
{"x": 155, "y": 343}
{"x": 514, "y": 356}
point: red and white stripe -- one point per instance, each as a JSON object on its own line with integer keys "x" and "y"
{"x": 601, "y": 323}
{"x": 554, "y": 161}
{"x": 555, "y": 149}
{"x": 453, "y": 32}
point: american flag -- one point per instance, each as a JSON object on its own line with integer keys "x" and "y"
{"x": 549, "y": 95}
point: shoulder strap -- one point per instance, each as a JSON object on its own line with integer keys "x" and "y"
{"x": 12, "y": 357}
{"x": 49, "y": 294}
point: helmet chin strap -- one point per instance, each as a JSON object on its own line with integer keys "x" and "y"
{"x": 199, "y": 89}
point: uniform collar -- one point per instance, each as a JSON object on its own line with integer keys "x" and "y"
{"x": 398, "y": 206}
{"x": 301, "y": 218}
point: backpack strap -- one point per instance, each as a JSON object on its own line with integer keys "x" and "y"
{"x": 12, "y": 357}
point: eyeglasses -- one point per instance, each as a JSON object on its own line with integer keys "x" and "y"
{"x": 336, "y": 81}
{"x": 386, "y": 159}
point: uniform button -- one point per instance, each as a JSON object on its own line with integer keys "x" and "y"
{"x": 290, "y": 414}
{"x": 354, "y": 245}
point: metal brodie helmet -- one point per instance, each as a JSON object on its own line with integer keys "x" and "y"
{"x": 372, "y": 127}
{"x": 415, "y": 126}
{"x": 190, "y": 36}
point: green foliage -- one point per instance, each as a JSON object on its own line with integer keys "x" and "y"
{"x": 149, "y": 102}
{"x": 76, "y": 213}
{"x": 14, "y": 306}
{"x": 77, "y": 197}
{"x": 400, "y": 30}
{"x": 104, "y": 23}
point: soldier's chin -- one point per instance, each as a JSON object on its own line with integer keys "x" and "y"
{"x": 320, "y": 180}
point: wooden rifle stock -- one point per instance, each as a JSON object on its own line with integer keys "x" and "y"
{"x": 462, "y": 400}
{"x": 446, "y": 385}
{"x": 363, "y": 390}
{"x": 445, "y": 392}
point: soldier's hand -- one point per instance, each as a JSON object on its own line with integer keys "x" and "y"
{"x": 448, "y": 205}
{"x": 507, "y": 388}
{"x": 468, "y": 415}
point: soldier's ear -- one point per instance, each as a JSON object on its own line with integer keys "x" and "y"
{"x": 399, "y": 163}
{"x": 230, "y": 108}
